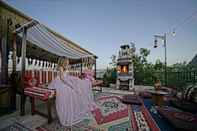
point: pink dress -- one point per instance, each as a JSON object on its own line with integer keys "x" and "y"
{"x": 72, "y": 105}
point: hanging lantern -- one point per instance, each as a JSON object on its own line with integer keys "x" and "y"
{"x": 155, "y": 43}
{"x": 174, "y": 33}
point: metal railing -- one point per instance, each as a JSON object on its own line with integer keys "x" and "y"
{"x": 176, "y": 79}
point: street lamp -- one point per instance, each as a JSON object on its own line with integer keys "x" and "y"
{"x": 163, "y": 37}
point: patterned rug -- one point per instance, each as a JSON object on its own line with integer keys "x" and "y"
{"x": 110, "y": 109}
{"x": 111, "y": 115}
{"x": 16, "y": 127}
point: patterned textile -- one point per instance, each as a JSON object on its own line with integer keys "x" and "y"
{"x": 110, "y": 108}
{"x": 40, "y": 93}
{"x": 142, "y": 120}
{"x": 193, "y": 95}
{"x": 186, "y": 92}
{"x": 179, "y": 119}
{"x": 108, "y": 104}
{"x": 16, "y": 127}
{"x": 131, "y": 99}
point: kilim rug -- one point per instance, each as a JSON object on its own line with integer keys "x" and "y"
{"x": 16, "y": 127}
{"x": 111, "y": 115}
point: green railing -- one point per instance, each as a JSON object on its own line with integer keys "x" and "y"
{"x": 176, "y": 79}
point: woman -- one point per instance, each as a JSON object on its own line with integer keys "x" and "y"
{"x": 74, "y": 99}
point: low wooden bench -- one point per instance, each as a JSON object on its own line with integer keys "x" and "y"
{"x": 35, "y": 91}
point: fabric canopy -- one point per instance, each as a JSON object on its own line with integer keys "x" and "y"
{"x": 43, "y": 38}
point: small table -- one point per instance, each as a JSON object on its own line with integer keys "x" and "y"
{"x": 157, "y": 96}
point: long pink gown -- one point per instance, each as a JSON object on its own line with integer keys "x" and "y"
{"x": 72, "y": 105}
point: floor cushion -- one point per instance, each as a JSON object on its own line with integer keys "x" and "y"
{"x": 131, "y": 99}
{"x": 179, "y": 119}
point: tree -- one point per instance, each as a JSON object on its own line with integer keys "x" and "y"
{"x": 158, "y": 65}
{"x": 110, "y": 74}
{"x": 143, "y": 71}
{"x": 113, "y": 62}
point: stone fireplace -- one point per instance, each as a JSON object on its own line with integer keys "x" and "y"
{"x": 125, "y": 76}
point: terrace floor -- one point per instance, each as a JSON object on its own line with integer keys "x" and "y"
{"x": 39, "y": 123}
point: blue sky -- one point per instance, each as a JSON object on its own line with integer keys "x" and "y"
{"x": 101, "y": 26}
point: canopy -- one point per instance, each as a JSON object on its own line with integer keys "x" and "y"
{"x": 40, "y": 36}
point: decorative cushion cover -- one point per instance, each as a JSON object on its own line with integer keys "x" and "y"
{"x": 131, "y": 99}
{"x": 30, "y": 81}
{"x": 179, "y": 119}
{"x": 186, "y": 92}
{"x": 193, "y": 95}
{"x": 145, "y": 94}
{"x": 39, "y": 93}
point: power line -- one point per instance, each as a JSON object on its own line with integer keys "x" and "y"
{"x": 184, "y": 21}
{"x": 178, "y": 25}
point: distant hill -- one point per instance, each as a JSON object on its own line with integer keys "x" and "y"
{"x": 194, "y": 61}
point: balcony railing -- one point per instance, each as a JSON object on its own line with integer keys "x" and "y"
{"x": 176, "y": 79}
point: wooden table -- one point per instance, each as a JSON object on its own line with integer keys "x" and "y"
{"x": 157, "y": 96}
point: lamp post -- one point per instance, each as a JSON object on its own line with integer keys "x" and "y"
{"x": 163, "y": 37}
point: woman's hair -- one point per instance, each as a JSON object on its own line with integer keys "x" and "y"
{"x": 63, "y": 63}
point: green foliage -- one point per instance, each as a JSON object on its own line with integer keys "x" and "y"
{"x": 109, "y": 76}
{"x": 145, "y": 73}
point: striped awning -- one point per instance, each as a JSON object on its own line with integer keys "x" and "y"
{"x": 40, "y": 36}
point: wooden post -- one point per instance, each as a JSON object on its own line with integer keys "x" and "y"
{"x": 4, "y": 62}
{"x": 14, "y": 88}
{"x": 14, "y": 53}
{"x": 23, "y": 52}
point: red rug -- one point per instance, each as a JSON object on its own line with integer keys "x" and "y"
{"x": 109, "y": 109}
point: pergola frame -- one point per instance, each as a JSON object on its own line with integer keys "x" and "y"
{"x": 24, "y": 28}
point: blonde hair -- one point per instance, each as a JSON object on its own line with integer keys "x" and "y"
{"x": 63, "y": 63}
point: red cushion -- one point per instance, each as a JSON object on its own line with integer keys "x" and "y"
{"x": 30, "y": 81}
{"x": 131, "y": 99}
{"x": 39, "y": 93}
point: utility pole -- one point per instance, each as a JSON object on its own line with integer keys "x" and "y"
{"x": 163, "y": 37}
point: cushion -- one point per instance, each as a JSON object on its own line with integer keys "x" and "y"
{"x": 131, "y": 99}
{"x": 179, "y": 119}
{"x": 30, "y": 81}
{"x": 184, "y": 105}
{"x": 187, "y": 91}
{"x": 193, "y": 95}
{"x": 39, "y": 93}
{"x": 145, "y": 94}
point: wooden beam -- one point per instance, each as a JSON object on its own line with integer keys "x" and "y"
{"x": 23, "y": 52}
{"x": 26, "y": 25}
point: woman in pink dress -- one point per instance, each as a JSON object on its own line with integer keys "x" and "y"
{"x": 74, "y": 99}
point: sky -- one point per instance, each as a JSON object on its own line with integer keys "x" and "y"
{"x": 101, "y": 26}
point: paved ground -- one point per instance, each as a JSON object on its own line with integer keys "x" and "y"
{"x": 35, "y": 121}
